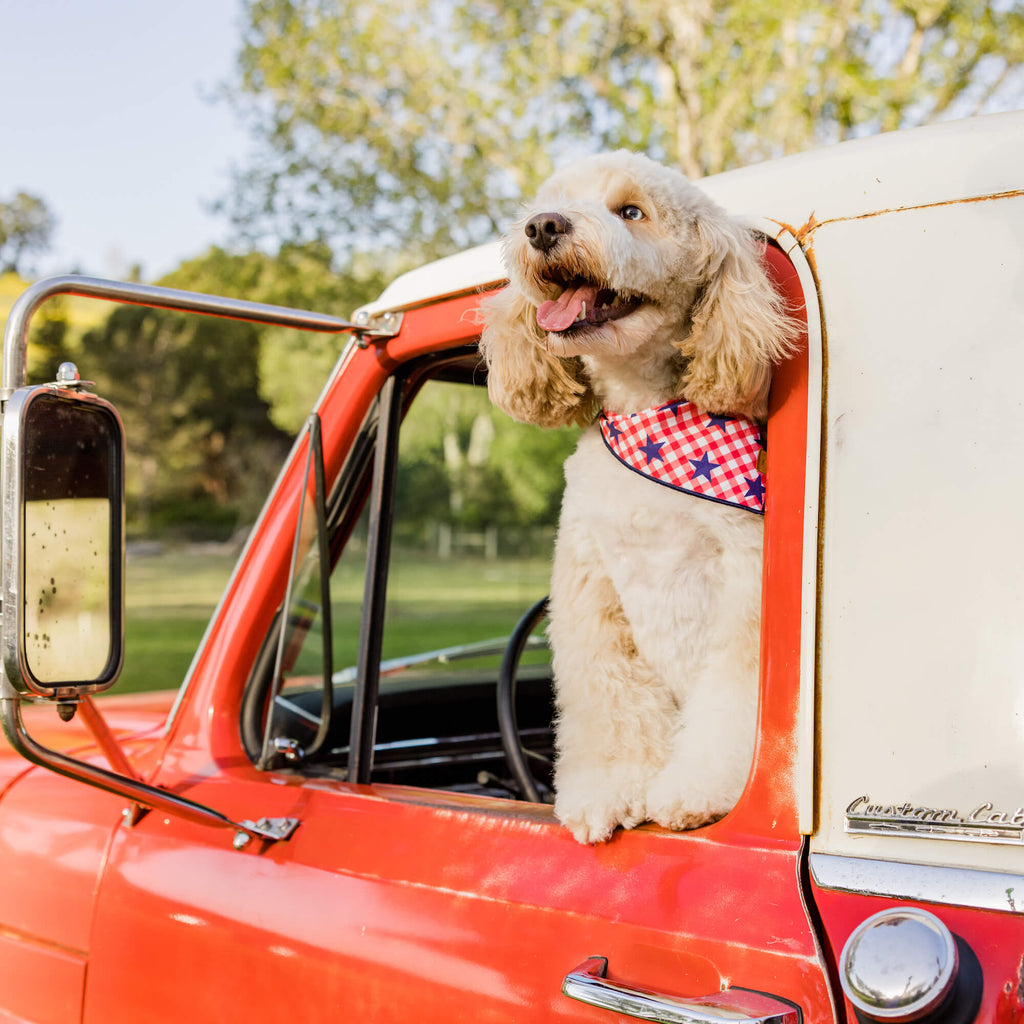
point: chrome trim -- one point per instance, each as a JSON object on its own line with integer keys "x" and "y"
{"x": 983, "y": 824}
{"x": 587, "y": 984}
{"x": 270, "y": 830}
{"x": 16, "y": 331}
{"x": 899, "y": 964}
{"x": 136, "y": 792}
{"x": 813, "y": 497}
{"x": 12, "y": 544}
{"x": 314, "y": 471}
{"x": 927, "y": 883}
{"x": 383, "y": 325}
{"x": 15, "y": 346}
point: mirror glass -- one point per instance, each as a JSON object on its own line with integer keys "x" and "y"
{"x": 71, "y": 585}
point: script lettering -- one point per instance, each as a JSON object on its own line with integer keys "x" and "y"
{"x": 985, "y": 823}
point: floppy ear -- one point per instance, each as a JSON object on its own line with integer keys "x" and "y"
{"x": 523, "y": 378}
{"x": 740, "y": 326}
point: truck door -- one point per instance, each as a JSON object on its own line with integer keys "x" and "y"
{"x": 420, "y": 885}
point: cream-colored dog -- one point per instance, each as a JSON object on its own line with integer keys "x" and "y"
{"x": 630, "y": 289}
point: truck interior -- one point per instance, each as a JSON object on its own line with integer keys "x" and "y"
{"x": 438, "y": 722}
{"x": 446, "y": 716}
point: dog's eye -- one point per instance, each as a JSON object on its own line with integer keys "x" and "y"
{"x": 630, "y": 212}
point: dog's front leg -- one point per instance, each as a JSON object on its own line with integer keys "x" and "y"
{"x": 612, "y": 710}
{"x": 713, "y": 745}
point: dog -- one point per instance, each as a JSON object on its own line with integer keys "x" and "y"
{"x": 630, "y": 291}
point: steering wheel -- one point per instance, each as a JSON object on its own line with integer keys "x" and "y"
{"x": 516, "y": 754}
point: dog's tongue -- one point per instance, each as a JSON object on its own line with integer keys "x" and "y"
{"x": 558, "y": 314}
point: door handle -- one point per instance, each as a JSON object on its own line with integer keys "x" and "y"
{"x": 730, "y": 1006}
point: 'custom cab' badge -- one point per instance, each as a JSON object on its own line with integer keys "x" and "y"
{"x": 984, "y": 824}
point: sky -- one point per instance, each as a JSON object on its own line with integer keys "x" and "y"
{"x": 107, "y": 116}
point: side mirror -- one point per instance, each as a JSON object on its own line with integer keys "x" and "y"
{"x": 62, "y": 484}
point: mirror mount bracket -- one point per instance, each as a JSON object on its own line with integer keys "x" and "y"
{"x": 140, "y": 795}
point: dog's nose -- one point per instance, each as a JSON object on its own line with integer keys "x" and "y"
{"x": 545, "y": 229}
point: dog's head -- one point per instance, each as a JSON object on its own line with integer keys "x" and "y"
{"x": 621, "y": 258}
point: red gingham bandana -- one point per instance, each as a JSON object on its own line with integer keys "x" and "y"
{"x": 713, "y": 457}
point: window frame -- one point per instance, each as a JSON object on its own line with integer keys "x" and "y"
{"x": 369, "y": 474}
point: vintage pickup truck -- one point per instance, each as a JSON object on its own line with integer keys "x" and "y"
{"x": 295, "y": 839}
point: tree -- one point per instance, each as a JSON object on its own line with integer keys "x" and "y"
{"x": 209, "y": 404}
{"x": 48, "y": 341}
{"x": 421, "y": 123}
{"x": 465, "y": 462}
{"x": 200, "y": 443}
{"x": 26, "y": 225}
{"x": 292, "y": 365}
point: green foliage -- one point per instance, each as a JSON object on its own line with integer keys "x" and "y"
{"x": 209, "y": 403}
{"x": 422, "y": 122}
{"x": 49, "y": 342}
{"x": 56, "y": 328}
{"x": 169, "y": 598}
{"x": 292, "y": 365}
{"x": 464, "y": 462}
{"x": 26, "y": 225}
{"x": 186, "y": 388}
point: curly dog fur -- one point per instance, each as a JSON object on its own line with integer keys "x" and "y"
{"x": 630, "y": 288}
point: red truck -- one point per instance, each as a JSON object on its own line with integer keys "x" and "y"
{"x": 287, "y": 837}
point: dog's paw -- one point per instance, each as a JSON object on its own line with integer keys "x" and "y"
{"x": 593, "y": 820}
{"x": 681, "y": 818}
{"x": 680, "y": 808}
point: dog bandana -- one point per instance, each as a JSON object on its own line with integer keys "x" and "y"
{"x": 713, "y": 457}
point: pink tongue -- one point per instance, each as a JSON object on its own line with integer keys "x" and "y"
{"x": 558, "y": 314}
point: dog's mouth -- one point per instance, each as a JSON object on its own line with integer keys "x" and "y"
{"x": 584, "y": 304}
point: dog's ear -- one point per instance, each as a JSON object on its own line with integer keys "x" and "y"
{"x": 740, "y": 326}
{"x": 523, "y": 378}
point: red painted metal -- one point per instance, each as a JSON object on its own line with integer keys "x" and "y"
{"x": 393, "y": 904}
{"x": 53, "y": 842}
{"x": 1010, "y": 998}
{"x": 996, "y": 938}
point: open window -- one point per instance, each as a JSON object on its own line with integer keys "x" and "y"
{"x": 439, "y": 530}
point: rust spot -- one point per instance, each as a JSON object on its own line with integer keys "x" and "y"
{"x": 1010, "y": 1005}
{"x": 803, "y": 232}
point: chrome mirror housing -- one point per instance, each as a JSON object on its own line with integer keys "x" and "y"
{"x": 62, "y": 485}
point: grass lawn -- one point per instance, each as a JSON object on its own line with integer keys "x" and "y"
{"x": 435, "y": 603}
{"x": 169, "y": 600}
{"x": 432, "y": 604}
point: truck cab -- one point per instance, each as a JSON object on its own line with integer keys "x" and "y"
{"x": 335, "y": 820}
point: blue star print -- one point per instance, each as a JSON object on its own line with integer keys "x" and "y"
{"x": 755, "y": 487}
{"x": 720, "y": 422}
{"x": 652, "y": 449}
{"x": 703, "y": 467}
{"x": 613, "y": 431}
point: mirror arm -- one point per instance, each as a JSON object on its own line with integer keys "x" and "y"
{"x": 16, "y": 328}
{"x": 130, "y": 789}
{"x": 105, "y": 738}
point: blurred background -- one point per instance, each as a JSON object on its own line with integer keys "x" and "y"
{"x": 304, "y": 152}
